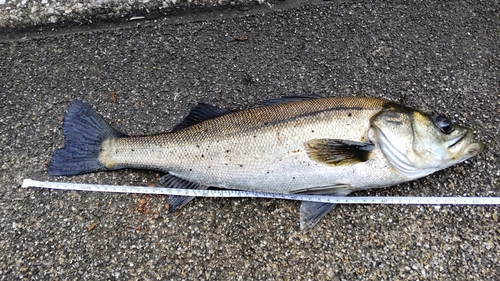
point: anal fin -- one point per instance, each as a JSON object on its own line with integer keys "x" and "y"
{"x": 177, "y": 202}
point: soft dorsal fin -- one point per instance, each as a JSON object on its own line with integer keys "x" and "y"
{"x": 287, "y": 99}
{"x": 338, "y": 152}
{"x": 200, "y": 113}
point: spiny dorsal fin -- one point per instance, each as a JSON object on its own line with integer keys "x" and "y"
{"x": 338, "y": 152}
{"x": 200, "y": 113}
{"x": 288, "y": 99}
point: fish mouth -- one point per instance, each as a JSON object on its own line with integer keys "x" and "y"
{"x": 464, "y": 145}
{"x": 453, "y": 142}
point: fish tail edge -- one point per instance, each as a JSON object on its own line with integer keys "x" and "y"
{"x": 84, "y": 132}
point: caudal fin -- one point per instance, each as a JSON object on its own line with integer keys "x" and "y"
{"x": 84, "y": 131}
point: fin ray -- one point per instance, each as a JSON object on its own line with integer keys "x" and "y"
{"x": 312, "y": 212}
{"x": 338, "y": 152}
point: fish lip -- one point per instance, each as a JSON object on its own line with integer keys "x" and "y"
{"x": 458, "y": 139}
{"x": 475, "y": 148}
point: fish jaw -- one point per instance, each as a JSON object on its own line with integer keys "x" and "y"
{"x": 463, "y": 148}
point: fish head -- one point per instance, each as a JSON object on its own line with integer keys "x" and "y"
{"x": 418, "y": 144}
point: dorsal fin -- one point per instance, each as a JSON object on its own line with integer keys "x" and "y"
{"x": 200, "y": 113}
{"x": 287, "y": 99}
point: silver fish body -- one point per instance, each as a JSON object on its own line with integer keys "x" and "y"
{"x": 293, "y": 145}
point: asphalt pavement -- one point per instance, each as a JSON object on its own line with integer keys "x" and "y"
{"x": 144, "y": 75}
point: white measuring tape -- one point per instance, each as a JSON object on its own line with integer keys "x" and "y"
{"x": 238, "y": 193}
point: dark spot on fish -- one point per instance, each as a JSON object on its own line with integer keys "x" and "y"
{"x": 198, "y": 146}
{"x": 190, "y": 170}
{"x": 227, "y": 151}
{"x": 202, "y": 156}
{"x": 241, "y": 166}
{"x": 349, "y": 114}
{"x": 132, "y": 149}
{"x": 293, "y": 178}
{"x": 312, "y": 131}
{"x": 267, "y": 172}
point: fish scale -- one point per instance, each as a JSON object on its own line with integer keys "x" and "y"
{"x": 260, "y": 155}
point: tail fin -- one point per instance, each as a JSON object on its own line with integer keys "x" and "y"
{"x": 84, "y": 131}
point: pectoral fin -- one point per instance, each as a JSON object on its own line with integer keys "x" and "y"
{"x": 312, "y": 212}
{"x": 177, "y": 202}
{"x": 338, "y": 152}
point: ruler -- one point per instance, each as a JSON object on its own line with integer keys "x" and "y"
{"x": 403, "y": 200}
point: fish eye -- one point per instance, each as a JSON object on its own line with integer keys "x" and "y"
{"x": 444, "y": 124}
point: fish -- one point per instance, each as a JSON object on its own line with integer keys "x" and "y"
{"x": 300, "y": 144}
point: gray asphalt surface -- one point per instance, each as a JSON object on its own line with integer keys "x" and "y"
{"x": 24, "y": 13}
{"x": 438, "y": 57}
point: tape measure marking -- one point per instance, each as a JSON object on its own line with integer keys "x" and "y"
{"x": 239, "y": 193}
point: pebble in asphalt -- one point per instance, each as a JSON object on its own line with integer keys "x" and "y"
{"x": 438, "y": 57}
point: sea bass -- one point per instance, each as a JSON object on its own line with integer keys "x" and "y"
{"x": 310, "y": 145}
